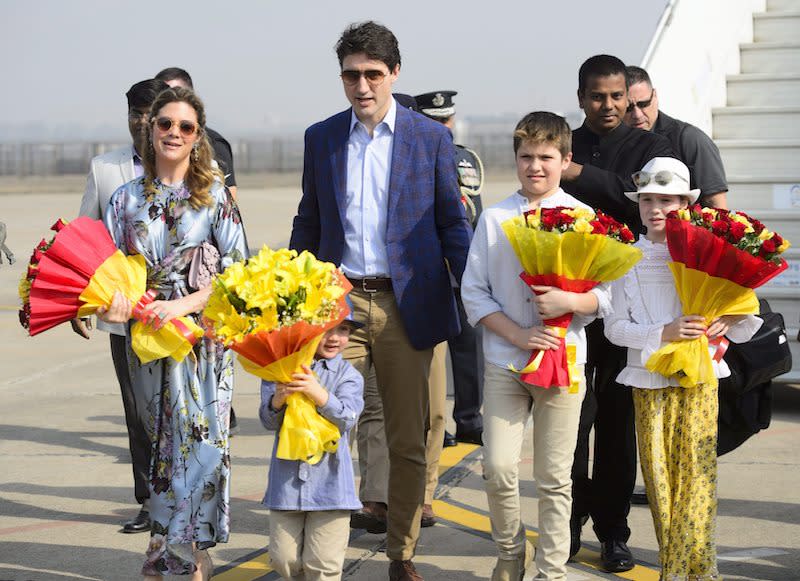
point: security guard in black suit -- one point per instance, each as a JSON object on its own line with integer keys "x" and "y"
{"x": 465, "y": 351}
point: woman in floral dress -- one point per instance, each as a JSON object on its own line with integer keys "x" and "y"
{"x": 181, "y": 218}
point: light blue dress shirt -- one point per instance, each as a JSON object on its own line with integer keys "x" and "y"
{"x": 329, "y": 484}
{"x": 369, "y": 165}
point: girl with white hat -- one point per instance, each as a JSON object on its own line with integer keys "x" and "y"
{"x": 676, "y": 426}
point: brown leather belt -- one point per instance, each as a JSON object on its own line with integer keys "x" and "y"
{"x": 371, "y": 284}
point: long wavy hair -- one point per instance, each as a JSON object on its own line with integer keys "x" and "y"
{"x": 202, "y": 172}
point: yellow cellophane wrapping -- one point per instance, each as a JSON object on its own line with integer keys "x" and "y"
{"x": 150, "y": 344}
{"x": 305, "y": 435}
{"x": 689, "y": 362}
{"x": 573, "y": 255}
{"x": 128, "y": 274}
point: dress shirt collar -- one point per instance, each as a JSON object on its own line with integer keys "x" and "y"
{"x": 388, "y": 120}
{"x": 331, "y": 364}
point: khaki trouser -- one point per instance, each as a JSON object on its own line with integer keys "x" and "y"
{"x": 373, "y": 455}
{"x": 308, "y": 546}
{"x": 402, "y": 383}
{"x": 508, "y": 402}
{"x": 436, "y": 423}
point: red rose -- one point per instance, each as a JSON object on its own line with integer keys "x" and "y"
{"x": 566, "y": 219}
{"x": 59, "y": 225}
{"x": 42, "y": 245}
{"x": 32, "y": 272}
{"x": 720, "y": 227}
{"x": 598, "y": 228}
{"x": 549, "y": 220}
{"x": 736, "y": 232}
{"x": 777, "y": 239}
{"x": 769, "y": 246}
{"x": 758, "y": 226}
{"x": 626, "y": 235}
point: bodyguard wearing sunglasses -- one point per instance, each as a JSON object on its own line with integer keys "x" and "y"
{"x": 108, "y": 172}
{"x": 605, "y": 152}
{"x": 691, "y": 145}
{"x": 381, "y": 199}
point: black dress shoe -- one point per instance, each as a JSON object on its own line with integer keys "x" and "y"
{"x": 139, "y": 524}
{"x": 616, "y": 556}
{"x": 449, "y": 440}
{"x": 575, "y": 527}
{"x": 372, "y": 518}
{"x": 473, "y": 437}
{"x": 639, "y": 498}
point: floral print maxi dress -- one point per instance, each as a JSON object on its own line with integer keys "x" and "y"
{"x": 184, "y": 406}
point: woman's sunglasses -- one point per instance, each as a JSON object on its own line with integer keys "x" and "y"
{"x": 187, "y": 128}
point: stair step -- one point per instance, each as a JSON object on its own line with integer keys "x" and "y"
{"x": 755, "y": 193}
{"x": 770, "y": 57}
{"x": 777, "y": 26}
{"x": 774, "y": 157}
{"x": 756, "y": 122}
{"x": 781, "y": 5}
{"x": 761, "y": 89}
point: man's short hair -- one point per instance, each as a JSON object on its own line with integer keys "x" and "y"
{"x": 637, "y": 75}
{"x": 600, "y": 65}
{"x": 543, "y": 127}
{"x": 371, "y": 38}
{"x": 176, "y": 73}
{"x": 142, "y": 94}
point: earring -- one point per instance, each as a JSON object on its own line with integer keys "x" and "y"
{"x": 195, "y": 154}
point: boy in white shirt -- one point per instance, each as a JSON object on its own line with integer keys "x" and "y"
{"x": 496, "y": 297}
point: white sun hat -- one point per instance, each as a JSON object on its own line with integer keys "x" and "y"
{"x": 663, "y": 175}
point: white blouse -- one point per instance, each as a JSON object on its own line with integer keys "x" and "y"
{"x": 643, "y": 302}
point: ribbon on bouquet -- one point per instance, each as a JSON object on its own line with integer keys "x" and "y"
{"x": 535, "y": 362}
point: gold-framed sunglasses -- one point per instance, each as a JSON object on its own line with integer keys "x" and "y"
{"x": 186, "y": 128}
{"x": 374, "y": 77}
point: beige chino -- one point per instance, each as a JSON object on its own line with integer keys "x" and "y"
{"x": 508, "y": 403}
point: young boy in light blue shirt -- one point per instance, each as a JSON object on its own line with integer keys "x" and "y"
{"x": 310, "y": 505}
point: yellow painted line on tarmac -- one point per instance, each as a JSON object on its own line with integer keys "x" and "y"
{"x": 480, "y": 522}
{"x": 248, "y": 571}
{"x": 453, "y": 455}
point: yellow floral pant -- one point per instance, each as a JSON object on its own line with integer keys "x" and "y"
{"x": 677, "y": 432}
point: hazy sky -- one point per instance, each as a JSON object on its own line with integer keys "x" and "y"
{"x": 268, "y": 67}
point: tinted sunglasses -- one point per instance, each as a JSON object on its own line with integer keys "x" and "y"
{"x": 662, "y": 178}
{"x": 640, "y": 104}
{"x": 186, "y": 128}
{"x": 374, "y": 77}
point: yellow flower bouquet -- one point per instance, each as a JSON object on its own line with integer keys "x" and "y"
{"x": 273, "y": 310}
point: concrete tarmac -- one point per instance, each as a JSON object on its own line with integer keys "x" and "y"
{"x": 66, "y": 485}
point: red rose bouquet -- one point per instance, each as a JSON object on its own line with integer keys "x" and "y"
{"x": 719, "y": 257}
{"x": 78, "y": 271}
{"x": 573, "y": 249}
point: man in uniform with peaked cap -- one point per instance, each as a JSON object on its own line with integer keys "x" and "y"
{"x": 464, "y": 349}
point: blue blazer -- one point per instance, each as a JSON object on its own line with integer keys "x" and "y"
{"x": 426, "y": 222}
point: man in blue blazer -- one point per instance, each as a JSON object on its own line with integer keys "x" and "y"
{"x": 381, "y": 199}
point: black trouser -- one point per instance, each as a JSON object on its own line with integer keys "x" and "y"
{"x": 138, "y": 441}
{"x": 467, "y": 363}
{"x": 608, "y": 406}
